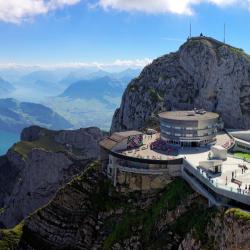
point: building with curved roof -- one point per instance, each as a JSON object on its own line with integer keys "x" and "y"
{"x": 188, "y": 128}
{"x": 138, "y": 161}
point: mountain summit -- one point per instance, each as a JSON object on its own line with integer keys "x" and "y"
{"x": 203, "y": 73}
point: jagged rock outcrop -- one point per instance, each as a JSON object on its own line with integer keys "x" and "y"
{"x": 84, "y": 139}
{"x": 33, "y": 169}
{"x": 31, "y": 133}
{"x": 203, "y": 73}
{"x": 226, "y": 230}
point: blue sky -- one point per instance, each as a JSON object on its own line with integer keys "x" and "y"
{"x": 76, "y": 31}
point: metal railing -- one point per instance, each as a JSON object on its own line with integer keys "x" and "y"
{"x": 224, "y": 190}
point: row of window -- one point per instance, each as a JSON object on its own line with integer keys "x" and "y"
{"x": 185, "y": 135}
{"x": 187, "y": 128}
{"x": 173, "y": 127}
{"x": 243, "y": 147}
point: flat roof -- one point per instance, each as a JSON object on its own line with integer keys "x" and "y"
{"x": 110, "y": 142}
{"x": 107, "y": 143}
{"x": 218, "y": 147}
{"x": 184, "y": 115}
{"x": 128, "y": 133}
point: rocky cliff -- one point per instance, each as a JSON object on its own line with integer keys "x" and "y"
{"x": 88, "y": 213}
{"x": 226, "y": 230}
{"x": 203, "y": 73}
{"x": 33, "y": 169}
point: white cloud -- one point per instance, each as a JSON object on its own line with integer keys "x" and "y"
{"x": 137, "y": 63}
{"x": 182, "y": 7}
{"x": 16, "y": 11}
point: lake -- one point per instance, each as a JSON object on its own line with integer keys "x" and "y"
{"x": 7, "y": 139}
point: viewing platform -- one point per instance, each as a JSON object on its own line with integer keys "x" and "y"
{"x": 150, "y": 160}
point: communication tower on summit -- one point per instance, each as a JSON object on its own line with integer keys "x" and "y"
{"x": 190, "y": 29}
{"x": 224, "y": 40}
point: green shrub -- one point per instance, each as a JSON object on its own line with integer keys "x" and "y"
{"x": 239, "y": 214}
{"x": 10, "y": 237}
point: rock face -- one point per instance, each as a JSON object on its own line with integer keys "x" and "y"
{"x": 31, "y": 133}
{"x": 225, "y": 231}
{"x": 203, "y": 73}
{"x": 89, "y": 214}
{"x": 85, "y": 139}
{"x": 34, "y": 169}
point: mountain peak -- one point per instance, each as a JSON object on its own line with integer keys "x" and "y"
{"x": 203, "y": 73}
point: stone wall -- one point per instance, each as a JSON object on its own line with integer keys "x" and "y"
{"x": 142, "y": 182}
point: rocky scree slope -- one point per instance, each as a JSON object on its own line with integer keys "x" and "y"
{"x": 203, "y": 73}
{"x": 44, "y": 160}
{"x": 88, "y": 213}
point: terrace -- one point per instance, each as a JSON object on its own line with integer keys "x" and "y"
{"x": 153, "y": 148}
{"x": 233, "y": 182}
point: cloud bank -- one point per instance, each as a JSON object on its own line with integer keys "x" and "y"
{"x": 17, "y": 11}
{"x": 181, "y": 7}
{"x": 137, "y": 63}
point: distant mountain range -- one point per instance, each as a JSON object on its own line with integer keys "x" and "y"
{"x": 5, "y": 87}
{"x": 83, "y": 96}
{"x": 76, "y": 76}
{"x": 15, "y": 115}
{"x": 95, "y": 88}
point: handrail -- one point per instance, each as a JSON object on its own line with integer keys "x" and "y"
{"x": 229, "y": 192}
{"x": 143, "y": 170}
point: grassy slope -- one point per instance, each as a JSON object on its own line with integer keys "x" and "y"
{"x": 9, "y": 238}
{"x": 45, "y": 142}
{"x": 239, "y": 214}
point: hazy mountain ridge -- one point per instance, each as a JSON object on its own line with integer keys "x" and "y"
{"x": 76, "y": 76}
{"x": 95, "y": 88}
{"x": 5, "y": 87}
{"x": 15, "y": 116}
{"x": 67, "y": 91}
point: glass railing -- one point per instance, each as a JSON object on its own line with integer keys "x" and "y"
{"x": 215, "y": 183}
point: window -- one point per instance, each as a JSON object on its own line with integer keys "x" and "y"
{"x": 243, "y": 147}
{"x": 189, "y": 128}
{"x": 166, "y": 125}
{"x": 189, "y": 135}
{"x": 177, "y": 134}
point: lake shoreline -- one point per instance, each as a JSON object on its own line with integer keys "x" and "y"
{"x": 7, "y": 139}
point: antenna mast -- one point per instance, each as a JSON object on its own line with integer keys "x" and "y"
{"x": 224, "y": 33}
{"x": 190, "y": 29}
